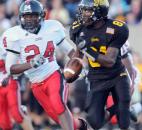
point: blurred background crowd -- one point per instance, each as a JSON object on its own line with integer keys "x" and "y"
{"x": 129, "y": 11}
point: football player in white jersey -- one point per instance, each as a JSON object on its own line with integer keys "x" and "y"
{"x": 127, "y": 60}
{"x": 34, "y": 42}
{"x": 10, "y": 104}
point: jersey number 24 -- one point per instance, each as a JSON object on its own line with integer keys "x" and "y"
{"x": 49, "y": 51}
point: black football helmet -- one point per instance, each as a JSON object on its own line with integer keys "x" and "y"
{"x": 31, "y": 15}
{"x": 98, "y": 9}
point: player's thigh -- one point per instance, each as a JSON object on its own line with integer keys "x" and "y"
{"x": 97, "y": 104}
{"x": 43, "y": 99}
{"x": 57, "y": 91}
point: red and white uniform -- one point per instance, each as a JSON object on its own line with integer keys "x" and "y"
{"x": 47, "y": 82}
{"x": 3, "y": 73}
{"x": 9, "y": 97}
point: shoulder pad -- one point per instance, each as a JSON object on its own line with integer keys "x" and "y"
{"x": 54, "y": 25}
{"x": 13, "y": 34}
{"x": 118, "y": 24}
{"x": 75, "y": 25}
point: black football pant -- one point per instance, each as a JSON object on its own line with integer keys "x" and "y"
{"x": 97, "y": 100}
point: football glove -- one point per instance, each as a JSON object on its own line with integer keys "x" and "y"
{"x": 5, "y": 82}
{"x": 37, "y": 61}
{"x": 81, "y": 43}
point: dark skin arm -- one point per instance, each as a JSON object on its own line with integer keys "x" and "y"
{"x": 109, "y": 59}
{"x": 19, "y": 68}
{"x": 71, "y": 53}
{"x": 13, "y": 66}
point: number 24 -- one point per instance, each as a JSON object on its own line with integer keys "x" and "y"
{"x": 48, "y": 52}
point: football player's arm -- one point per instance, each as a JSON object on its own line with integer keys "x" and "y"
{"x": 73, "y": 33}
{"x": 12, "y": 66}
{"x": 66, "y": 48}
{"x": 127, "y": 60}
{"x": 109, "y": 59}
{"x": 2, "y": 56}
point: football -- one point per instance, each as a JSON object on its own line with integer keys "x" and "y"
{"x": 72, "y": 69}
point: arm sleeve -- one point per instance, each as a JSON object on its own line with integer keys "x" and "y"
{"x": 74, "y": 31}
{"x": 65, "y": 46}
{"x": 120, "y": 37}
{"x": 10, "y": 43}
{"x": 11, "y": 59}
{"x": 2, "y": 52}
{"x": 13, "y": 46}
{"x": 60, "y": 33}
{"x": 125, "y": 49}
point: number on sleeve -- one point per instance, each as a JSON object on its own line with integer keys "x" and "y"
{"x": 120, "y": 24}
{"x": 4, "y": 42}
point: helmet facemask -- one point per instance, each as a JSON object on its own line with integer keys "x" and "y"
{"x": 31, "y": 22}
{"x": 98, "y": 10}
{"x": 31, "y": 15}
{"x": 86, "y": 14}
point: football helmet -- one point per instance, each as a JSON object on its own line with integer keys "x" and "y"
{"x": 92, "y": 10}
{"x": 31, "y": 14}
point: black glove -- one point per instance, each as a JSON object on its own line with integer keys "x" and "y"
{"x": 81, "y": 43}
{"x": 37, "y": 61}
{"x": 70, "y": 80}
{"x": 5, "y": 81}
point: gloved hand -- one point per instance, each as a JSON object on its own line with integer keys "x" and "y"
{"x": 37, "y": 61}
{"x": 5, "y": 81}
{"x": 81, "y": 43}
{"x": 82, "y": 46}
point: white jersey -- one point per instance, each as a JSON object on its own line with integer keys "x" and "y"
{"x": 125, "y": 48}
{"x": 27, "y": 45}
{"x": 3, "y": 73}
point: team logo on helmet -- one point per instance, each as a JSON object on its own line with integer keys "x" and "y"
{"x": 27, "y": 8}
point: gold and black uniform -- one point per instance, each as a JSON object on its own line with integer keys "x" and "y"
{"x": 112, "y": 34}
{"x": 105, "y": 80}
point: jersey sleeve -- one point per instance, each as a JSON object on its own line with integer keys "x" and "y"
{"x": 125, "y": 49}
{"x": 74, "y": 31}
{"x": 2, "y": 52}
{"x": 60, "y": 33}
{"x": 13, "y": 47}
{"x": 10, "y": 44}
{"x": 120, "y": 36}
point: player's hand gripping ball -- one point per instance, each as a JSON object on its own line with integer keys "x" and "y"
{"x": 72, "y": 69}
